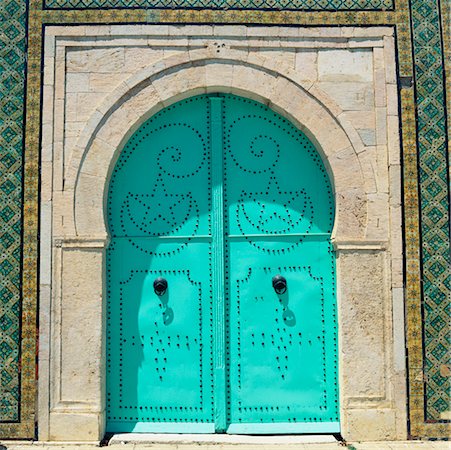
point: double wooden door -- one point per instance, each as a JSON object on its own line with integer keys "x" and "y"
{"x": 221, "y": 313}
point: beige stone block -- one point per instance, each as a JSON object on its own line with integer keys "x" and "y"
{"x": 325, "y": 99}
{"x": 390, "y": 60}
{"x": 378, "y": 216}
{"x": 288, "y": 32}
{"x": 396, "y": 245}
{"x": 70, "y": 107}
{"x": 46, "y": 181}
{"x": 395, "y": 184}
{"x": 352, "y": 214}
{"x": 362, "y": 321}
{"x": 367, "y": 160}
{"x": 350, "y": 96}
{"x": 177, "y": 59}
{"x": 87, "y": 103}
{"x": 368, "y": 136}
{"x": 98, "y": 31}
{"x": 280, "y": 60}
{"x": 228, "y": 30}
{"x": 49, "y": 70}
{"x": 106, "y": 82}
{"x": 218, "y": 76}
{"x": 100, "y": 60}
{"x": 70, "y": 143}
{"x": 382, "y": 169}
{"x": 381, "y": 126}
{"x": 141, "y": 106}
{"x": 257, "y": 58}
{"x": 178, "y": 84}
{"x": 63, "y": 214}
{"x": 60, "y": 74}
{"x": 191, "y": 30}
{"x": 126, "y": 30}
{"x": 118, "y": 125}
{"x": 257, "y": 85}
{"x": 358, "y": 32}
{"x": 89, "y": 216}
{"x": 49, "y": 44}
{"x": 73, "y": 129}
{"x": 45, "y": 267}
{"x": 81, "y": 304}
{"x": 397, "y": 274}
{"x": 47, "y": 142}
{"x": 352, "y": 134}
{"x": 77, "y": 427}
{"x": 138, "y": 57}
{"x": 156, "y": 30}
{"x": 369, "y": 42}
{"x": 346, "y": 170}
{"x": 66, "y": 30}
{"x": 394, "y": 148}
{"x": 98, "y": 160}
{"x": 306, "y": 64}
{"x": 380, "y": 98}
{"x": 77, "y": 82}
{"x": 47, "y": 104}
{"x": 361, "y": 120}
{"x": 262, "y": 31}
{"x": 172, "y": 52}
{"x": 331, "y": 136}
{"x": 392, "y": 99}
{"x": 345, "y": 65}
{"x": 370, "y": 424}
{"x": 378, "y": 58}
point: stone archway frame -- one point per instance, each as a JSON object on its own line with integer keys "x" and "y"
{"x": 80, "y": 233}
{"x": 201, "y": 71}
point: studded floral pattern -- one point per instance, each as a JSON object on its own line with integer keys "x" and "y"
{"x": 425, "y": 174}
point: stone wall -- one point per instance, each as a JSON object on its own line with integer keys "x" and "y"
{"x": 336, "y": 84}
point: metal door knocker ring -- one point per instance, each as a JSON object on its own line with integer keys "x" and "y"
{"x": 279, "y": 283}
{"x": 160, "y": 285}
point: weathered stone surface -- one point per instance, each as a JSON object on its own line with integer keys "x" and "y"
{"x": 98, "y": 60}
{"x": 306, "y": 63}
{"x": 350, "y": 95}
{"x": 338, "y": 95}
{"x": 81, "y": 305}
{"x": 345, "y": 65}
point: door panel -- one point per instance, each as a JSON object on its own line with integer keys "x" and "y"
{"x": 218, "y": 194}
{"x": 279, "y": 371}
{"x": 282, "y": 347}
{"x": 159, "y": 346}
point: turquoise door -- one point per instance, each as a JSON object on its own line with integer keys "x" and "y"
{"x": 221, "y": 312}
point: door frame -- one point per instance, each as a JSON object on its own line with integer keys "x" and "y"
{"x": 75, "y": 238}
{"x": 215, "y": 107}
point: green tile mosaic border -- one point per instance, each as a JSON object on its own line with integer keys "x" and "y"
{"x": 426, "y": 203}
{"x": 12, "y": 82}
{"x": 309, "y": 5}
{"x": 434, "y": 201}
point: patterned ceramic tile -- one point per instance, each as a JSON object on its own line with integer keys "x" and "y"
{"x": 434, "y": 201}
{"x": 310, "y": 5}
{"x": 12, "y": 79}
{"x": 425, "y": 172}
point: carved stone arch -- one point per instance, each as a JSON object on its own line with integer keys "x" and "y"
{"x": 152, "y": 89}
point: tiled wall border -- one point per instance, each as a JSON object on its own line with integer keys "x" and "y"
{"x": 416, "y": 124}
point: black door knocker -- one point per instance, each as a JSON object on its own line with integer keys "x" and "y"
{"x": 160, "y": 286}
{"x": 279, "y": 283}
